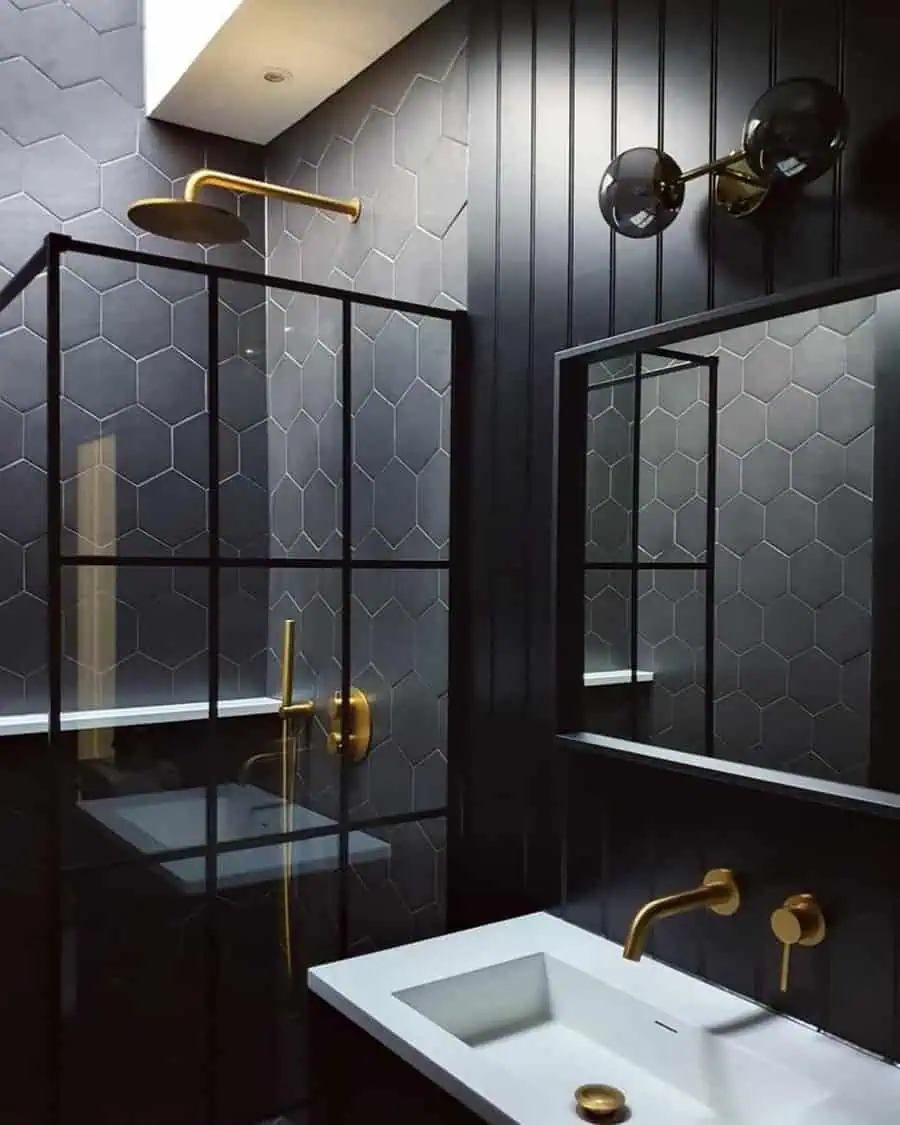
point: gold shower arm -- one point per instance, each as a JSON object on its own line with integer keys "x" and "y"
{"x": 208, "y": 177}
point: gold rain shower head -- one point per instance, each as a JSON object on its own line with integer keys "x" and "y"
{"x": 188, "y": 220}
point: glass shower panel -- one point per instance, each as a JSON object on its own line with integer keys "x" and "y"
{"x": 401, "y": 436}
{"x": 672, "y": 521}
{"x": 134, "y": 432}
{"x": 312, "y": 599}
{"x": 609, "y": 496}
{"x": 23, "y": 515}
{"x": 132, "y": 762}
{"x": 671, "y": 624}
{"x": 399, "y": 631}
{"x": 607, "y": 617}
{"x": 134, "y": 990}
{"x": 305, "y": 428}
{"x": 398, "y": 896}
{"x": 277, "y": 917}
{"x": 276, "y": 776}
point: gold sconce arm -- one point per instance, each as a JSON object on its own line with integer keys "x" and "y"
{"x": 207, "y": 177}
{"x": 288, "y": 706}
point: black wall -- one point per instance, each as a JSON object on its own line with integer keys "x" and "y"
{"x": 556, "y": 90}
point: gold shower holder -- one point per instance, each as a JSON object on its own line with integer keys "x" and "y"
{"x": 189, "y": 220}
{"x": 359, "y": 736}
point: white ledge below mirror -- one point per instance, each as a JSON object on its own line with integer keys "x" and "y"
{"x": 38, "y": 723}
{"x": 616, "y": 676}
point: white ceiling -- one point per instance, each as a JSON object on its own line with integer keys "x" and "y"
{"x": 324, "y": 43}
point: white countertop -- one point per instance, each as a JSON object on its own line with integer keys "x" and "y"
{"x": 721, "y": 1035}
{"x": 38, "y": 723}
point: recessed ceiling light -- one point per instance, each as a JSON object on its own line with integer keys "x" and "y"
{"x": 277, "y": 74}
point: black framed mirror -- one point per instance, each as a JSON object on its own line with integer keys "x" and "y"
{"x": 739, "y": 606}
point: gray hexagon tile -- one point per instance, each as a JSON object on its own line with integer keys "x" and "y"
{"x": 29, "y": 102}
{"x": 845, "y": 520}
{"x": 61, "y": 177}
{"x": 819, "y": 359}
{"x": 742, "y": 424}
{"x": 818, "y": 467}
{"x": 418, "y": 269}
{"x": 418, "y": 124}
{"x": 442, "y": 186}
{"x": 138, "y": 445}
{"x": 791, "y": 417}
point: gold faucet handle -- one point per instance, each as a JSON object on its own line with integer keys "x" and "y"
{"x": 799, "y": 921}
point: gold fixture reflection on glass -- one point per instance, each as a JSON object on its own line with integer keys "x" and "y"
{"x": 289, "y": 710}
{"x": 359, "y": 737}
{"x": 799, "y": 921}
{"x": 794, "y": 133}
{"x": 718, "y": 892}
{"x": 188, "y": 220}
{"x": 599, "y": 1103}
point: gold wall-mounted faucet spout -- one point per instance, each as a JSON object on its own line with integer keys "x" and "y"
{"x": 718, "y": 892}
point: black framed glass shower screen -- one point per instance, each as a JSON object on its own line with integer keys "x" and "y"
{"x": 162, "y": 524}
{"x": 649, "y": 516}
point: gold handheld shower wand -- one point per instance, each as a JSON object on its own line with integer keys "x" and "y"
{"x": 188, "y": 220}
{"x": 288, "y": 711}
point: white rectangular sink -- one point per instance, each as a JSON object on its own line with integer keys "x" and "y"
{"x": 170, "y": 821}
{"x": 512, "y": 1018}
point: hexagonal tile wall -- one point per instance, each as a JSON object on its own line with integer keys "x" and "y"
{"x": 75, "y": 151}
{"x": 793, "y": 582}
{"x": 398, "y": 154}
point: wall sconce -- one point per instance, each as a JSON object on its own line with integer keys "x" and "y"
{"x": 794, "y": 133}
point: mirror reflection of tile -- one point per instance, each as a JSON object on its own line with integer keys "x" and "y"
{"x": 793, "y": 549}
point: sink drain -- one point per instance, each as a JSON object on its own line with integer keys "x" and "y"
{"x": 600, "y": 1103}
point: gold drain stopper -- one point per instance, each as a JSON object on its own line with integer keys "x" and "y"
{"x": 599, "y": 1103}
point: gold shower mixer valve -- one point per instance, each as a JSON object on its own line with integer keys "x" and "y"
{"x": 799, "y": 921}
{"x": 359, "y": 735}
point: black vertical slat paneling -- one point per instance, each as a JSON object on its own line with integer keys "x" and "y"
{"x": 869, "y": 231}
{"x": 742, "y": 75}
{"x": 592, "y": 239}
{"x": 807, "y": 38}
{"x": 687, "y": 102}
{"x": 884, "y": 762}
{"x": 460, "y": 729}
{"x": 860, "y": 902}
{"x": 894, "y": 877}
{"x": 637, "y": 104}
{"x": 511, "y": 429}
{"x": 514, "y": 294}
{"x": 552, "y": 254}
{"x": 465, "y": 868}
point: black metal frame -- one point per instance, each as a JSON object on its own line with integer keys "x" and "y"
{"x": 571, "y": 379}
{"x": 49, "y": 260}
{"x": 635, "y": 566}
